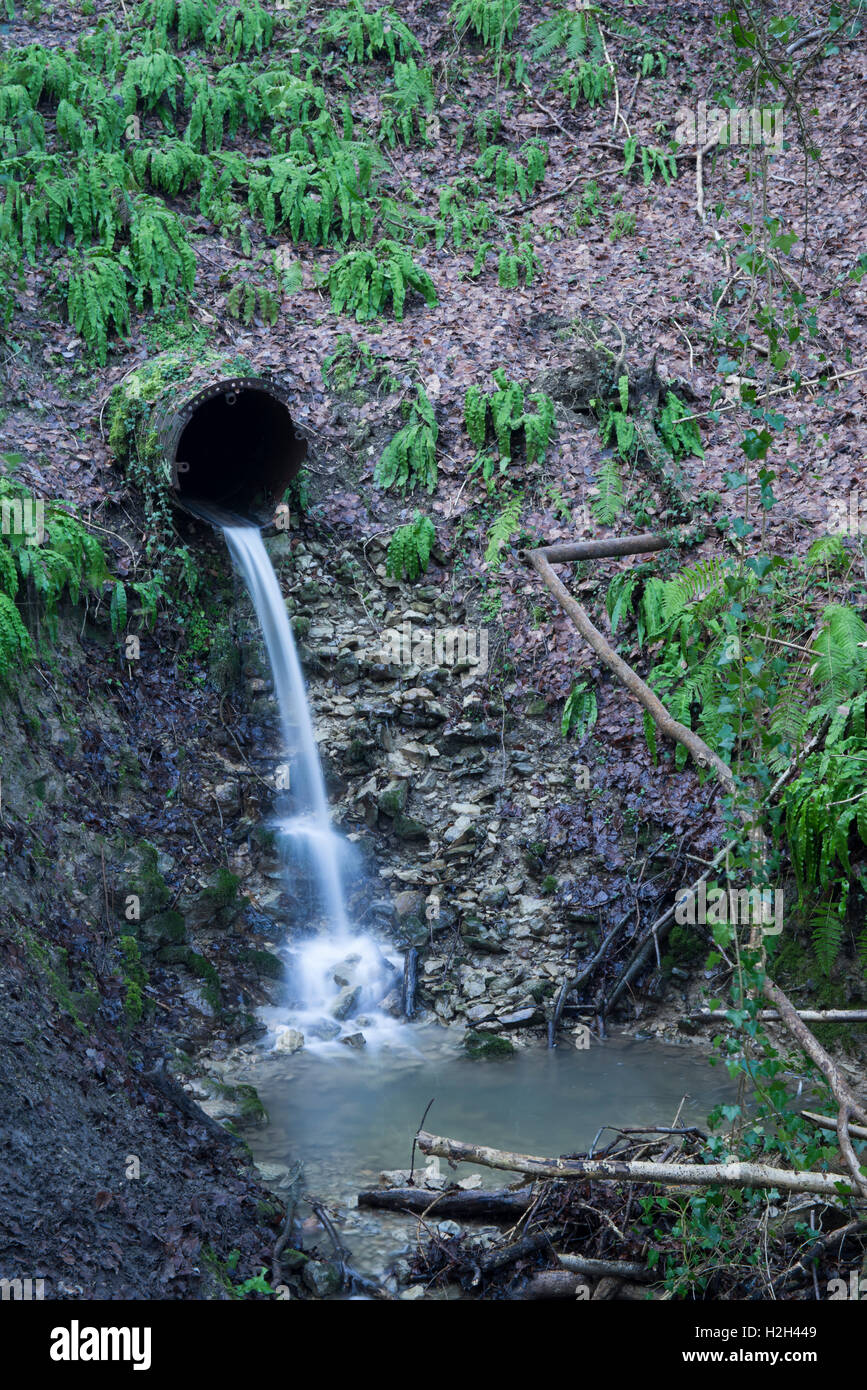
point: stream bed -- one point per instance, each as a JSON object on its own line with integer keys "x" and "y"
{"x": 349, "y": 1117}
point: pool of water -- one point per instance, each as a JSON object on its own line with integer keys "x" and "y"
{"x": 350, "y": 1116}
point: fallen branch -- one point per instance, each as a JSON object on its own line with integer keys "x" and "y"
{"x": 807, "y": 1015}
{"x": 549, "y": 1283}
{"x": 840, "y": 1088}
{"x": 672, "y": 728}
{"x": 816, "y": 1251}
{"x": 615, "y": 1170}
{"x": 830, "y": 1122}
{"x": 600, "y": 550}
{"x": 470, "y": 1206}
{"x": 614, "y": 1269}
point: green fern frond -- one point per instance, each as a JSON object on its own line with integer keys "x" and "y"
{"x": 579, "y": 712}
{"x": 362, "y": 281}
{"x": 97, "y": 299}
{"x": 607, "y": 504}
{"x": 619, "y": 598}
{"x": 368, "y": 34}
{"x": 502, "y": 530}
{"x": 159, "y": 256}
{"x": 492, "y": 21}
{"x": 680, "y": 436}
{"x": 841, "y": 652}
{"x": 510, "y": 174}
{"x": 410, "y": 547}
{"x": 409, "y": 459}
{"x": 242, "y": 26}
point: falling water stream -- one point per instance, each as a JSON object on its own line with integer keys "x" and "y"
{"x": 349, "y": 1111}
{"x": 338, "y": 975}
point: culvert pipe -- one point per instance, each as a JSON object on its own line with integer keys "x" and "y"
{"x": 207, "y": 428}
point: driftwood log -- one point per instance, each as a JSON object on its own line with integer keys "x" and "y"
{"x": 470, "y": 1206}
{"x": 806, "y": 1015}
{"x": 733, "y": 1174}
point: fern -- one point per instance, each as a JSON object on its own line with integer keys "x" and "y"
{"x": 152, "y": 80}
{"x": 246, "y": 299}
{"x": 827, "y": 925}
{"x": 680, "y": 437}
{"x": 841, "y": 652}
{"x": 407, "y": 104}
{"x": 502, "y": 530}
{"x": 476, "y": 416}
{"x": 509, "y": 174}
{"x": 409, "y": 459}
{"x": 512, "y": 263}
{"x": 464, "y": 215}
{"x": 620, "y": 596}
{"x": 362, "y": 281}
{"x": 575, "y": 30}
{"x": 410, "y": 547}
{"x": 368, "y": 34}
{"x": 287, "y": 98}
{"x": 16, "y": 648}
{"x": 48, "y": 202}
{"x": 100, "y": 50}
{"x": 579, "y": 712}
{"x": 653, "y": 161}
{"x": 118, "y": 607}
{"x": 242, "y": 26}
{"x": 97, "y": 299}
{"x": 508, "y": 416}
{"x": 189, "y": 19}
{"x": 159, "y": 256}
{"x": 316, "y": 200}
{"x": 827, "y": 550}
{"x": 171, "y": 166}
{"x": 607, "y": 504}
{"x": 492, "y": 21}
{"x": 592, "y": 82}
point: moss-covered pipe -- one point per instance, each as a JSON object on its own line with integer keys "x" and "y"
{"x": 202, "y": 427}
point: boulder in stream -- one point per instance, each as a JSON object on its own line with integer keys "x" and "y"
{"x": 288, "y": 1040}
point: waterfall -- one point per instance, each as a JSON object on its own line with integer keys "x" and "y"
{"x": 339, "y": 974}
{"x": 313, "y": 825}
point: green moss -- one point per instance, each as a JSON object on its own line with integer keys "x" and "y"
{"x": 146, "y": 881}
{"x": 202, "y": 967}
{"x": 54, "y": 966}
{"x": 252, "y": 1109}
{"x": 165, "y": 929}
{"x": 224, "y": 661}
{"x": 264, "y": 963}
{"x": 134, "y": 977}
{"x": 487, "y": 1045}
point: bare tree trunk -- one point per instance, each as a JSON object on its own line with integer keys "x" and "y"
{"x": 618, "y": 1170}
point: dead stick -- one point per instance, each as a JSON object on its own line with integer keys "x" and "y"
{"x": 602, "y": 549}
{"x": 808, "y": 1016}
{"x": 615, "y": 1170}
{"x": 701, "y": 753}
{"x": 840, "y": 1088}
{"x": 612, "y": 1269}
{"x": 830, "y": 1122}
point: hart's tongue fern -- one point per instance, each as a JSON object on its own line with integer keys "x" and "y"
{"x": 410, "y": 547}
